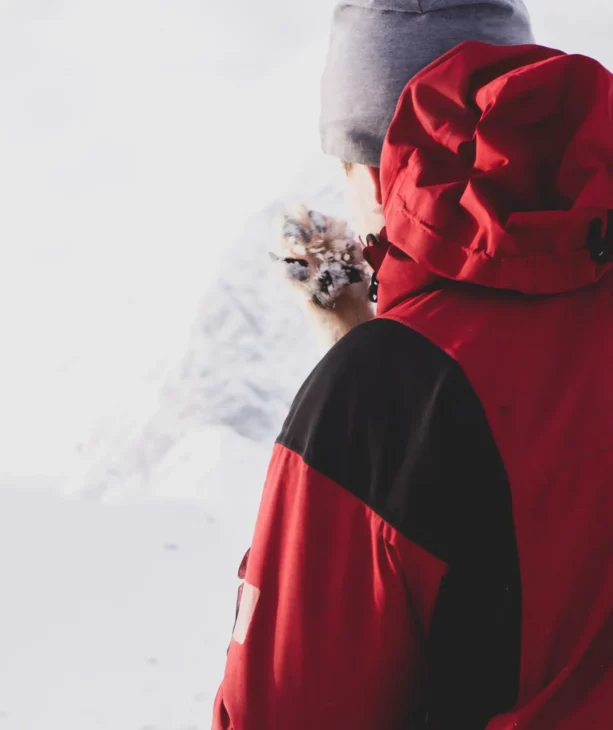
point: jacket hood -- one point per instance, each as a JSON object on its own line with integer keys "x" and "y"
{"x": 497, "y": 170}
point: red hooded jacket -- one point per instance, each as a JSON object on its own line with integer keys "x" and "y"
{"x": 434, "y": 547}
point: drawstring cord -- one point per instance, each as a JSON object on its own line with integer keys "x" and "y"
{"x": 374, "y": 252}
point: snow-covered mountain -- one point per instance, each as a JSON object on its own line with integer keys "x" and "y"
{"x": 246, "y": 355}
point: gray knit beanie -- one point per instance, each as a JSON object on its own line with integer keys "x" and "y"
{"x": 377, "y": 46}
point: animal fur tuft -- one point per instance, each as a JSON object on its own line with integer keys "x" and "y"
{"x": 324, "y": 264}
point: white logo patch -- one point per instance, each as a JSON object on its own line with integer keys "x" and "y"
{"x": 249, "y": 600}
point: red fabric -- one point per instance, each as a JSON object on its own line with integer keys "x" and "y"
{"x": 496, "y": 162}
{"x": 337, "y": 636}
{"x": 539, "y": 367}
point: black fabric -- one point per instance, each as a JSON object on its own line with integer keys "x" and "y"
{"x": 393, "y": 419}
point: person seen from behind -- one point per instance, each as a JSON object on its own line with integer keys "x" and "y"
{"x": 434, "y": 548}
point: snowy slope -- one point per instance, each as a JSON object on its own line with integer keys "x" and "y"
{"x": 148, "y": 352}
{"x": 115, "y": 618}
{"x": 100, "y": 615}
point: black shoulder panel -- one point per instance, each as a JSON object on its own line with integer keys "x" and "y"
{"x": 393, "y": 419}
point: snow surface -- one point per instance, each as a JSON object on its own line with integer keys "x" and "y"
{"x": 149, "y": 354}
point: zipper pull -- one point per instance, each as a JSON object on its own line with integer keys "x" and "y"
{"x": 373, "y": 290}
{"x": 598, "y": 246}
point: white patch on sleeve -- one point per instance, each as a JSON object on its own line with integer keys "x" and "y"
{"x": 249, "y": 600}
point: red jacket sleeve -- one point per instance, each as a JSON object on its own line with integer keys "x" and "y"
{"x": 334, "y": 613}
